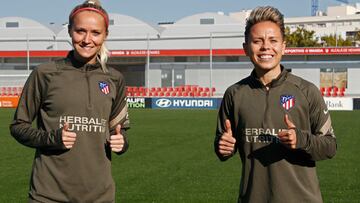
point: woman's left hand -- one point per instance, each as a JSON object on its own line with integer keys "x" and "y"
{"x": 117, "y": 141}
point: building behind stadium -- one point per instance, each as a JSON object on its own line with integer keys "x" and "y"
{"x": 201, "y": 50}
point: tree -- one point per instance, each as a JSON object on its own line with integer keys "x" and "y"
{"x": 357, "y": 36}
{"x": 354, "y": 37}
{"x": 330, "y": 40}
{"x": 301, "y": 38}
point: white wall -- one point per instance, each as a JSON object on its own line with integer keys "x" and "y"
{"x": 223, "y": 78}
{"x": 353, "y": 81}
{"x": 312, "y": 75}
{"x": 155, "y": 77}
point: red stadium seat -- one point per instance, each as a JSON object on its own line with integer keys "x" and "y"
{"x": 135, "y": 89}
{"x": 179, "y": 94}
{"x": 342, "y": 91}
{"x": 328, "y": 91}
{"x": 9, "y": 91}
{"x": 15, "y": 91}
{"x": 335, "y": 89}
{"x": 322, "y": 90}
{"x": 20, "y": 89}
{"x": 205, "y": 94}
{"x": 145, "y": 91}
{"x": 3, "y": 91}
{"x": 213, "y": 90}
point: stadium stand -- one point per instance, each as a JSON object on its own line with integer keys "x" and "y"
{"x": 10, "y": 91}
{"x": 179, "y": 91}
{"x": 332, "y": 91}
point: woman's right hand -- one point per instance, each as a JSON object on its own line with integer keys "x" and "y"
{"x": 227, "y": 141}
{"x": 68, "y": 137}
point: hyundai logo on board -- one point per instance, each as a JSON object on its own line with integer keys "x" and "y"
{"x": 163, "y": 103}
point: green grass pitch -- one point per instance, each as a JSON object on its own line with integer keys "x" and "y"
{"x": 171, "y": 159}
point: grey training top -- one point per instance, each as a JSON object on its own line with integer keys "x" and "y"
{"x": 272, "y": 172}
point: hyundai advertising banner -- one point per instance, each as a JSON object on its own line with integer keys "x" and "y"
{"x": 189, "y": 103}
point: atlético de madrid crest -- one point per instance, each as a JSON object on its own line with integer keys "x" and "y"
{"x": 104, "y": 87}
{"x": 287, "y": 101}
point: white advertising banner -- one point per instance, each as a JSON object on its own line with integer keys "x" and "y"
{"x": 339, "y": 103}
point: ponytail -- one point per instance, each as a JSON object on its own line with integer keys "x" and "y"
{"x": 102, "y": 57}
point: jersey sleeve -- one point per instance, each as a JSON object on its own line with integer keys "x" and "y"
{"x": 225, "y": 112}
{"x": 320, "y": 143}
{"x": 28, "y": 109}
{"x": 119, "y": 113}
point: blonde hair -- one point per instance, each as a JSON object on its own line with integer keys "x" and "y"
{"x": 103, "y": 57}
{"x": 94, "y": 5}
{"x": 261, "y": 14}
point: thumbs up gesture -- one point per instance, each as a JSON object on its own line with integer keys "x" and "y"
{"x": 68, "y": 137}
{"x": 117, "y": 141}
{"x": 288, "y": 137}
{"x": 227, "y": 141}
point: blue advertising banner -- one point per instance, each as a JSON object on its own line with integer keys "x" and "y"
{"x": 219, "y": 100}
{"x": 356, "y": 103}
{"x": 192, "y": 103}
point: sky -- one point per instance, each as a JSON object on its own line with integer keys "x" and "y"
{"x": 153, "y": 11}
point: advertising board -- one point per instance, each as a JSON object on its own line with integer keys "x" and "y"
{"x": 136, "y": 102}
{"x": 176, "y": 103}
{"x": 339, "y": 103}
{"x": 9, "y": 101}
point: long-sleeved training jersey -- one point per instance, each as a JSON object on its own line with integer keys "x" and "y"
{"x": 93, "y": 103}
{"x": 272, "y": 172}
